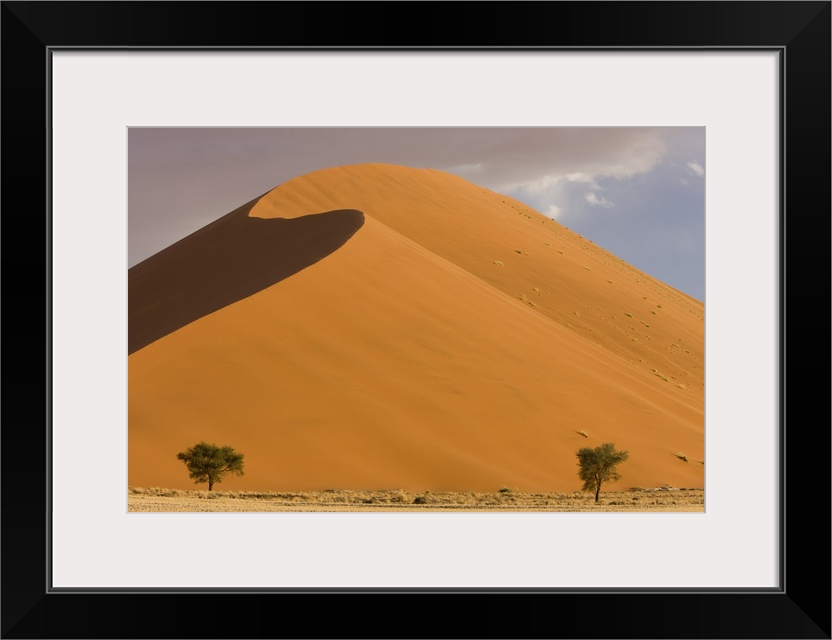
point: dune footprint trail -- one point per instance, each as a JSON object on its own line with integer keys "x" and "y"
{"x": 407, "y": 358}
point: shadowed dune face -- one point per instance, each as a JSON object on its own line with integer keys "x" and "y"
{"x": 230, "y": 259}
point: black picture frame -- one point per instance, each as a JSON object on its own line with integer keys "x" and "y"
{"x": 799, "y": 608}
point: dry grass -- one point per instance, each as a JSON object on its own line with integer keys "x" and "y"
{"x": 504, "y": 499}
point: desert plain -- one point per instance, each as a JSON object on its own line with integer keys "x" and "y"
{"x": 373, "y": 326}
{"x": 636, "y": 499}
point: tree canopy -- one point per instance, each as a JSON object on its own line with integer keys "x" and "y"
{"x": 209, "y": 463}
{"x": 598, "y": 466}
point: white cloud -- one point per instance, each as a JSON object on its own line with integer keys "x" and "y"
{"x": 683, "y": 181}
{"x": 554, "y": 211}
{"x": 579, "y": 177}
{"x": 695, "y": 167}
{"x": 534, "y": 160}
{"x": 594, "y": 200}
{"x": 532, "y": 186}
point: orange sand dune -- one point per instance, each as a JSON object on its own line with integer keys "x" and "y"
{"x": 382, "y": 327}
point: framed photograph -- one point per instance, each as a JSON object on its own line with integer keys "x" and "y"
{"x": 351, "y": 336}
{"x": 86, "y": 85}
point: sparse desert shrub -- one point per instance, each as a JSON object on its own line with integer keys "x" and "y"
{"x": 505, "y": 490}
{"x": 682, "y": 457}
{"x": 209, "y": 463}
{"x": 499, "y": 263}
{"x": 597, "y": 466}
{"x": 582, "y": 433}
{"x": 420, "y": 500}
{"x": 629, "y": 315}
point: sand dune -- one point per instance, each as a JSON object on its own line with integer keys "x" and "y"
{"x": 423, "y": 333}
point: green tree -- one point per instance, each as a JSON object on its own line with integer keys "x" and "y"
{"x": 208, "y": 462}
{"x": 597, "y": 466}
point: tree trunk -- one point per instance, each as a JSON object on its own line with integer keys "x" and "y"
{"x": 597, "y": 491}
{"x": 211, "y": 484}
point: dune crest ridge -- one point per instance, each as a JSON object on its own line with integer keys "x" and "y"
{"x": 451, "y": 339}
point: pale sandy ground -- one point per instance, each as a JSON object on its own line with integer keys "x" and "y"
{"x": 412, "y": 330}
{"x": 647, "y": 500}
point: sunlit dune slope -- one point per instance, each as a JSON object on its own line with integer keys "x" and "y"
{"x": 408, "y": 329}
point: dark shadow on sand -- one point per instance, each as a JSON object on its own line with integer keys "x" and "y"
{"x": 224, "y": 262}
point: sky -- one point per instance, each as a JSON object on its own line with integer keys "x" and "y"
{"x": 637, "y": 192}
